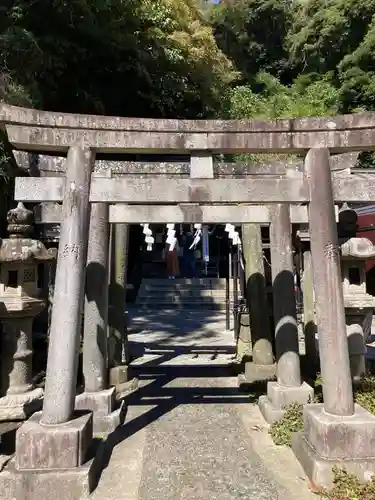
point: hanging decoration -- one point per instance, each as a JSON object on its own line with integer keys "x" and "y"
{"x": 171, "y": 237}
{"x": 197, "y": 235}
{"x": 233, "y": 234}
{"x": 242, "y": 263}
{"x": 149, "y": 239}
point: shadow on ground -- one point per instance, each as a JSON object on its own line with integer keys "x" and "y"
{"x": 158, "y": 398}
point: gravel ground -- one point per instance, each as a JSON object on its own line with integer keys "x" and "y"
{"x": 189, "y": 433}
{"x": 200, "y": 450}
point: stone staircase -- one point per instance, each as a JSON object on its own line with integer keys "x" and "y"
{"x": 200, "y": 293}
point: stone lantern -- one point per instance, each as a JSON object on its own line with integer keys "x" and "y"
{"x": 358, "y": 303}
{"x": 20, "y": 257}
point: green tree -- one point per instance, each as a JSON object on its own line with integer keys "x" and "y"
{"x": 122, "y": 57}
{"x": 253, "y": 33}
{"x": 357, "y": 74}
{"x": 276, "y": 100}
{"x": 337, "y": 36}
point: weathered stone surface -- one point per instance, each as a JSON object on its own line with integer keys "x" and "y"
{"x": 261, "y": 336}
{"x": 103, "y": 401}
{"x": 122, "y": 190}
{"x": 126, "y": 388}
{"x": 56, "y": 165}
{"x": 95, "y": 350}
{"x": 319, "y": 470}
{"x": 106, "y": 417}
{"x": 66, "y": 484}
{"x": 342, "y": 441}
{"x": 255, "y": 372}
{"x": 337, "y": 437}
{"x": 68, "y": 299}
{"x": 244, "y": 349}
{"x": 104, "y": 425}
{"x": 329, "y": 298}
{"x": 359, "y": 305}
{"x": 266, "y": 139}
{"x": 309, "y": 319}
{"x": 118, "y": 375}
{"x": 4, "y": 460}
{"x": 282, "y": 396}
{"x": 28, "y": 116}
{"x": 16, "y": 367}
{"x": 356, "y": 188}
{"x": 61, "y": 446}
{"x": 358, "y": 248}
{"x": 20, "y": 406}
{"x": 118, "y": 348}
{"x": 194, "y": 213}
{"x": 50, "y": 213}
{"x": 270, "y": 413}
{"x": 279, "y": 397}
{"x": 45, "y": 130}
{"x": 284, "y": 302}
{"x": 56, "y": 132}
{"x": 355, "y": 319}
{"x": 19, "y": 304}
{"x": 201, "y": 166}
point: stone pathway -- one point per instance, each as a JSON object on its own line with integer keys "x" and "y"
{"x": 176, "y": 338}
{"x": 189, "y": 432}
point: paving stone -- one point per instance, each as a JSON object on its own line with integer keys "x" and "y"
{"x": 200, "y": 450}
{"x": 185, "y": 436}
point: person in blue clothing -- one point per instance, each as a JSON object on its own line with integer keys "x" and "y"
{"x": 188, "y": 255}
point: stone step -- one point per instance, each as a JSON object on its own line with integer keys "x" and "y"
{"x": 171, "y": 285}
{"x": 179, "y": 300}
{"x": 185, "y": 281}
{"x": 186, "y": 359}
{"x": 188, "y": 305}
{"x": 194, "y": 294}
{"x": 219, "y": 294}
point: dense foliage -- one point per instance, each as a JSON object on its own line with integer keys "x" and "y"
{"x": 299, "y": 57}
{"x": 328, "y": 44}
{"x": 189, "y": 58}
{"x": 123, "y": 57}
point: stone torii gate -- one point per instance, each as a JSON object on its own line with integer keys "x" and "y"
{"x": 52, "y": 447}
{"x": 262, "y": 365}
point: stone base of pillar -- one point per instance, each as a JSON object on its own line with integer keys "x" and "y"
{"x": 244, "y": 348}
{"x": 258, "y": 373}
{"x": 50, "y": 459}
{"x": 126, "y": 388}
{"x": 20, "y": 406}
{"x": 4, "y": 459}
{"x": 106, "y": 418}
{"x": 255, "y": 373}
{"x": 329, "y": 440}
{"x": 118, "y": 375}
{"x": 64, "y": 484}
{"x": 280, "y": 397}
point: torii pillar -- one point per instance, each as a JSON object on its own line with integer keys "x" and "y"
{"x": 118, "y": 348}
{"x": 262, "y": 366}
{"x": 289, "y": 387}
{"x": 336, "y": 432}
{"x": 52, "y": 447}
